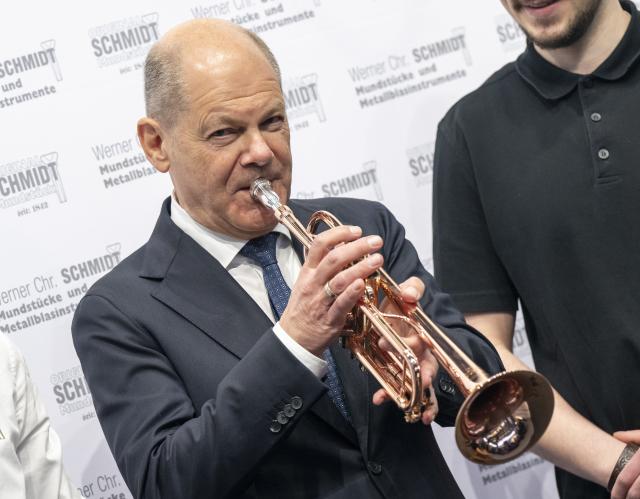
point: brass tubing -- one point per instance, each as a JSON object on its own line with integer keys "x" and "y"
{"x": 501, "y": 417}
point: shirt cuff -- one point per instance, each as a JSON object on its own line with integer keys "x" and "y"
{"x": 315, "y": 364}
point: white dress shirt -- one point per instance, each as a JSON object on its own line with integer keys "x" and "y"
{"x": 30, "y": 451}
{"x": 249, "y": 273}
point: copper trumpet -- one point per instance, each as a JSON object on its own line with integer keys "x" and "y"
{"x": 501, "y": 417}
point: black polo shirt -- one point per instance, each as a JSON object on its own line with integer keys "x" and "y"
{"x": 537, "y": 199}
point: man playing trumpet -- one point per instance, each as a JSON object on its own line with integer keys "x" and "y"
{"x": 211, "y": 351}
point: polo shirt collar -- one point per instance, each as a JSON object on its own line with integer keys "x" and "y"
{"x": 553, "y": 82}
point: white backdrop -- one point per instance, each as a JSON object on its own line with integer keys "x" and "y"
{"x": 366, "y": 82}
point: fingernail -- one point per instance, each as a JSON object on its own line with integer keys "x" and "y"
{"x": 374, "y": 241}
{"x": 374, "y": 260}
{"x": 355, "y": 229}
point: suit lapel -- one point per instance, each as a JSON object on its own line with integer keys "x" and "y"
{"x": 197, "y": 287}
{"x": 206, "y": 297}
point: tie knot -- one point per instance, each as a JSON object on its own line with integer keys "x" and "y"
{"x": 261, "y": 249}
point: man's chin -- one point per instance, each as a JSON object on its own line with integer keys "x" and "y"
{"x": 562, "y": 28}
{"x": 546, "y": 37}
{"x": 550, "y": 41}
{"x": 264, "y": 221}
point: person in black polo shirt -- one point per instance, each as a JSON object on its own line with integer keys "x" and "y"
{"x": 537, "y": 200}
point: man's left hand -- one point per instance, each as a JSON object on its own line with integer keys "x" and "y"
{"x": 627, "y": 485}
{"x": 412, "y": 290}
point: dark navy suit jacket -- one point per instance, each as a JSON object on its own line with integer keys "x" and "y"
{"x": 187, "y": 378}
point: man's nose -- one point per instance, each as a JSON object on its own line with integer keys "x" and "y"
{"x": 257, "y": 152}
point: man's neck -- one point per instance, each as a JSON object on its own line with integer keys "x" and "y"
{"x": 600, "y": 40}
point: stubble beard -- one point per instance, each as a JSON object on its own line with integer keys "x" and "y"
{"x": 575, "y": 30}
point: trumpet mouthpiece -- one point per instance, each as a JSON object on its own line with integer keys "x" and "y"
{"x": 261, "y": 191}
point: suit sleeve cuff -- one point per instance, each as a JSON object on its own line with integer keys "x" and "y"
{"x": 315, "y": 364}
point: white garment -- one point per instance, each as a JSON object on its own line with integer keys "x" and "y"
{"x": 30, "y": 452}
{"x": 249, "y": 273}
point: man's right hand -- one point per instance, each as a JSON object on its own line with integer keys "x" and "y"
{"x": 628, "y": 483}
{"x": 312, "y": 317}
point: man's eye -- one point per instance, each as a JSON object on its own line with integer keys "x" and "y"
{"x": 273, "y": 121}
{"x": 221, "y": 133}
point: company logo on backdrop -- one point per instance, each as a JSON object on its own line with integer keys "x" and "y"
{"x": 121, "y": 162}
{"x": 302, "y": 100}
{"x": 29, "y": 75}
{"x": 420, "y": 162}
{"x": 97, "y": 265}
{"x": 124, "y": 41}
{"x": 109, "y": 483}
{"x": 510, "y": 35}
{"x": 24, "y": 184}
{"x": 364, "y": 183}
{"x": 305, "y": 195}
{"x": 259, "y": 16}
{"x": 493, "y": 474}
{"x": 42, "y": 299}
{"x": 423, "y": 67}
{"x": 71, "y": 391}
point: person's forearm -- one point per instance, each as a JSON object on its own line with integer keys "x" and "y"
{"x": 571, "y": 441}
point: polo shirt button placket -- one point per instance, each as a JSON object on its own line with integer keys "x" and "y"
{"x": 587, "y": 82}
{"x": 603, "y": 153}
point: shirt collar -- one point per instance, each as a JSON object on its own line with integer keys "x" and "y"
{"x": 223, "y": 248}
{"x": 553, "y": 82}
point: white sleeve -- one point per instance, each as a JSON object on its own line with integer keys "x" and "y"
{"x": 39, "y": 448}
{"x": 315, "y": 364}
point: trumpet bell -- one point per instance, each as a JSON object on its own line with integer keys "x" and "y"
{"x": 504, "y": 417}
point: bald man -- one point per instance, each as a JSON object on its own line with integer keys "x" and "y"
{"x": 210, "y": 351}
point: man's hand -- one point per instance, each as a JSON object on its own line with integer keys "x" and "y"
{"x": 315, "y": 315}
{"x": 627, "y": 485}
{"x": 412, "y": 291}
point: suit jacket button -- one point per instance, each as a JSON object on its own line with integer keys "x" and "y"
{"x": 275, "y": 427}
{"x": 288, "y": 410}
{"x": 296, "y": 402}
{"x": 447, "y": 386}
{"x": 281, "y": 418}
{"x": 374, "y": 468}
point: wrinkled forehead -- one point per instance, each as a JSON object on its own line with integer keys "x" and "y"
{"x": 238, "y": 61}
{"x": 235, "y": 84}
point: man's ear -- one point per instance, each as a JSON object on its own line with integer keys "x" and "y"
{"x": 152, "y": 141}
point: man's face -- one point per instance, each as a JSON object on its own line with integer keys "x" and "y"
{"x": 234, "y": 131}
{"x": 552, "y": 24}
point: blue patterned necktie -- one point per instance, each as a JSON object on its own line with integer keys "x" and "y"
{"x": 263, "y": 251}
